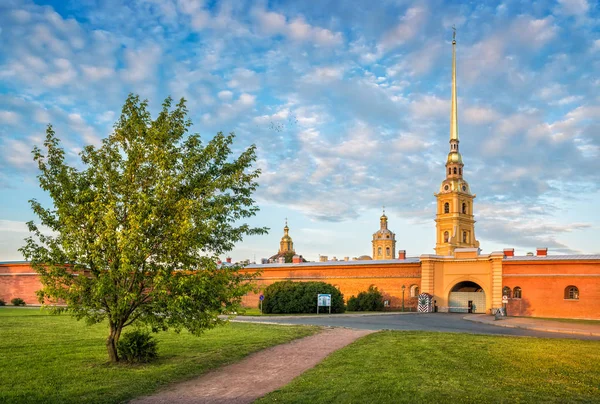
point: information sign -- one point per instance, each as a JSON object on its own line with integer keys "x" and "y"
{"x": 504, "y": 299}
{"x": 261, "y": 297}
{"x": 323, "y": 300}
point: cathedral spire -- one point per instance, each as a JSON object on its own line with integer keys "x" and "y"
{"x": 454, "y": 108}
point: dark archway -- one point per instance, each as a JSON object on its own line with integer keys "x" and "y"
{"x": 467, "y": 286}
{"x": 466, "y": 297}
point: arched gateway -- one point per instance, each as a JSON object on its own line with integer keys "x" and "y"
{"x": 466, "y": 297}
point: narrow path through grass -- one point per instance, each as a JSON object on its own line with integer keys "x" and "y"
{"x": 396, "y": 366}
{"x": 55, "y": 359}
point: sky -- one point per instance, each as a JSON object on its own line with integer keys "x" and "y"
{"x": 348, "y": 104}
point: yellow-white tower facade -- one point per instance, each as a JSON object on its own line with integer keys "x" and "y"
{"x": 286, "y": 244}
{"x": 384, "y": 241}
{"x": 455, "y": 225}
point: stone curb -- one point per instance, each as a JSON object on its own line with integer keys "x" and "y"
{"x": 533, "y": 328}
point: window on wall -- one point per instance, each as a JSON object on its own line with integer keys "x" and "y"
{"x": 414, "y": 291}
{"x": 571, "y": 293}
{"x": 464, "y": 208}
{"x": 379, "y": 251}
{"x": 454, "y": 170}
{"x": 449, "y": 171}
{"x": 446, "y": 207}
{"x": 517, "y": 292}
{"x": 460, "y": 171}
{"x": 387, "y": 251}
{"x": 464, "y": 236}
{"x": 506, "y": 291}
{"x": 446, "y": 236}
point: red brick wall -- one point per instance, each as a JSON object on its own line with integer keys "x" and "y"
{"x": 350, "y": 279}
{"x": 543, "y": 290}
{"x": 18, "y": 280}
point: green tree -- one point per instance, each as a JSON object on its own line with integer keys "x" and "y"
{"x": 136, "y": 232}
{"x": 289, "y": 257}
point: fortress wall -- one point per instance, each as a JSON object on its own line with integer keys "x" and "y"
{"x": 543, "y": 286}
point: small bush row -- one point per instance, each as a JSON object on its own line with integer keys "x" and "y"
{"x": 371, "y": 300}
{"x": 17, "y": 301}
{"x": 300, "y": 297}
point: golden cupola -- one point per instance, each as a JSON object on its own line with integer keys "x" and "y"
{"x": 455, "y": 224}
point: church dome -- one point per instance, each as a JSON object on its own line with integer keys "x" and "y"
{"x": 454, "y": 158}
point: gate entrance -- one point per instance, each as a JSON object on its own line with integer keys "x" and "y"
{"x": 466, "y": 297}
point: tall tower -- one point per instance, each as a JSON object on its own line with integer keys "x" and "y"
{"x": 286, "y": 244}
{"x": 384, "y": 241}
{"x": 455, "y": 226}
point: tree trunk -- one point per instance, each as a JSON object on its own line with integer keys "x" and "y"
{"x": 111, "y": 344}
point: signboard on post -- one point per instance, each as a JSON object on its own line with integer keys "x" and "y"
{"x": 261, "y": 298}
{"x": 323, "y": 300}
{"x": 504, "y": 299}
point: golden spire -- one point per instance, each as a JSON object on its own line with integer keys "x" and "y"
{"x": 454, "y": 109}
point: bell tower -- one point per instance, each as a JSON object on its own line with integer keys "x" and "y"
{"x": 286, "y": 244}
{"x": 455, "y": 225}
{"x": 384, "y": 241}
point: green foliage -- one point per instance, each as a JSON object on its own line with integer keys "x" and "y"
{"x": 300, "y": 297}
{"x": 17, "y": 301}
{"x": 143, "y": 223}
{"x": 370, "y": 300}
{"x": 289, "y": 257}
{"x": 2, "y": 302}
{"x": 137, "y": 346}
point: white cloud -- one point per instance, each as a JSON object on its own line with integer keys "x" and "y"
{"x": 42, "y": 116}
{"x": 9, "y": 117}
{"x": 225, "y": 95}
{"x": 64, "y": 74}
{"x": 244, "y": 79}
{"x": 97, "y": 72}
{"x": 86, "y": 132}
{"x": 430, "y": 106}
{"x": 573, "y": 7}
{"x": 411, "y": 143}
{"x": 324, "y": 74}
{"x": 480, "y": 115}
{"x": 272, "y": 23}
{"x": 141, "y": 64}
{"x": 17, "y": 153}
{"x": 246, "y": 100}
{"x": 406, "y": 29}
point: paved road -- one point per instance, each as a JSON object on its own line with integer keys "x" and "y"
{"x": 442, "y": 322}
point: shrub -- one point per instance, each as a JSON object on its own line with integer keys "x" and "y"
{"x": 300, "y": 297}
{"x": 17, "y": 301}
{"x": 371, "y": 300}
{"x": 2, "y": 302}
{"x": 137, "y": 346}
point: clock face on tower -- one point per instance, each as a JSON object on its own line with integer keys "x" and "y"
{"x": 446, "y": 187}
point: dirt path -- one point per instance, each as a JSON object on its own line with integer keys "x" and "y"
{"x": 259, "y": 373}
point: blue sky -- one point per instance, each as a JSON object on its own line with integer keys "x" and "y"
{"x": 347, "y": 102}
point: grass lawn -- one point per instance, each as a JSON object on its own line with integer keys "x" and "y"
{"x": 395, "y": 366}
{"x": 55, "y": 359}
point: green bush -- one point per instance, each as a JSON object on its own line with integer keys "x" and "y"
{"x": 371, "y": 300}
{"x": 2, "y": 302}
{"x": 137, "y": 346}
{"x": 17, "y": 301}
{"x": 300, "y": 297}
